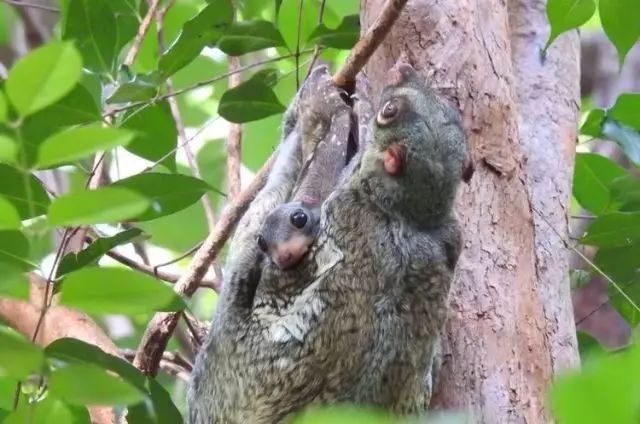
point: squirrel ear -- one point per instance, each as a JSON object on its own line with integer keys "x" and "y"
{"x": 468, "y": 170}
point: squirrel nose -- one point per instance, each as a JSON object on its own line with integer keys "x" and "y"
{"x": 284, "y": 259}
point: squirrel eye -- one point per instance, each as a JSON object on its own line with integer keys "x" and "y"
{"x": 298, "y": 219}
{"x": 262, "y": 243}
{"x": 388, "y": 113}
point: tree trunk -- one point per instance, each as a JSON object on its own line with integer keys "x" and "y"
{"x": 511, "y": 325}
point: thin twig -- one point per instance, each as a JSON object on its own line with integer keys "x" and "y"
{"x": 592, "y": 265}
{"x": 163, "y": 275}
{"x": 299, "y": 30}
{"x": 32, "y": 6}
{"x": 179, "y": 258}
{"x": 364, "y": 48}
{"x": 206, "y": 82}
{"x": 142, "y": 31}
{"x": 173, "y": 363}
{"x": 196, "y": 328}
{"x": 234, "y": 140}
{"x": 583, "y": 217}
{"x": 317, "y": 49}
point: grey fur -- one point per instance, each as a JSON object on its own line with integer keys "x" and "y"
{"x": 359, "y": 319}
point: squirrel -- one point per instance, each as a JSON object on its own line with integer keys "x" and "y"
{"x": 288, "y": 231}
{"x": 363, "y": 323}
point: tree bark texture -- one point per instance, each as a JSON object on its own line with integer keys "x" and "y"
{"x": 511, "y": 324}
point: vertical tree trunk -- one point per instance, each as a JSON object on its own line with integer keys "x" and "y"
{"x": 510, "y": 327}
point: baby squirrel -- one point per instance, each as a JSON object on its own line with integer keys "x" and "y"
{"x": 288, "y": 231}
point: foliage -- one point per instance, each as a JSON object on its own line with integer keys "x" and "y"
{"x": 82, "y": 100}
{"x": 606, "y": 391}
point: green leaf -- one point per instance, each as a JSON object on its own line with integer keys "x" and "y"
{"x": 72, "y": 350}
{"x": 627, "y": 138}
{"x": 90, "y": 256}
{"x": 344, "y": 37}
{"x": 48, "y": 410}
{"x": 249, "y": 36}
{"x": 80, "y": 142}
{"x": 43, "y": 76}
{"x": 88, "y": 207}
{"x": 288, "y": 22}
{"x": 565, "y": 15}
{"x": 9, "y": 218}
{"x": 627, "y": 110}
{"x": 626, "y": 189}
{"x": 76, "y": 108}
{"x": 8, "y": 149}
{"x": 13, "y": 283}
{"x": 212, "y": 162}
{"x": 170, "y": 232}
{"x": 18, "y": 357}
{"x": 161, "y": 408}
{"x": 29, "y": 200}
{"x": 168, "y": 193}
{"x": 4, "y": 109}
{"x": 620, "y": 303}
{"x": 588, "y": 346}
{"x": 606, "y": 391}
{"x": 156, "y": 137}
{"x": 593, "y": 124}
{"x": 130, "y": 7}
{"x": 620, "y": 22}
{"x": 204, "y": 29}
{"x": 86, "y": 384}
{"x": 92, "y": 24}
{"x": 117, "y": 291}
{"x": 250, "y": 101}
{"x": 14, "y": 250}
{"x": 614, "y": 230}
{"x": 593, "y": 174}
{"x": 140, "y": 87}
{"x": 622, "y": 264}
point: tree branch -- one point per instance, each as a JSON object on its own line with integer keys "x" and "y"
{"x": 234, "y": 140}
{"x": 149, "y": 270}
{"x": 368, "y": 43}
{"x": 142, "y": 31}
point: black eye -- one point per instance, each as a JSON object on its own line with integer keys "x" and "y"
{"x": 298, "y": 219}
{"x": 388, "y": 113}
{"x": 262, "y": 243}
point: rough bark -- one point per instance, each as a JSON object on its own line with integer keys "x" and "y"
{"x": 500, "y": 350}
{"x": 547, "y": 95}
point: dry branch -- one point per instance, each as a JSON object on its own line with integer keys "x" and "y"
{"x": 163, "y": 275}
{"x": 368, "y": 43}
{"x": 234, "y": 140}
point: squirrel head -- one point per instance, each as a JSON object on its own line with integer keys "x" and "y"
{"x": 288, "y": 231}
{"x": 418, "y": 152}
